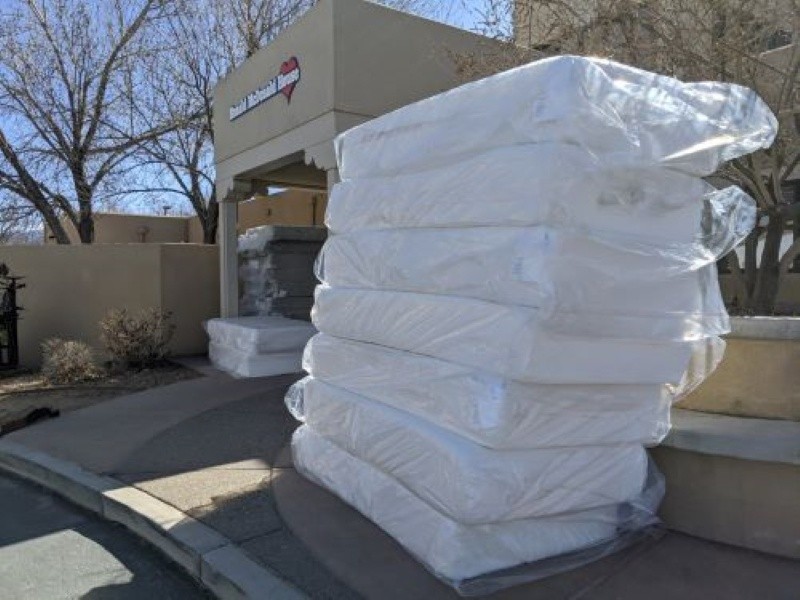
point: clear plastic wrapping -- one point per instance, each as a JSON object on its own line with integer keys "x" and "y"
{"x": 580, "y": 284}
{"x": 260, "y": 335}
{"x": 463, "y": 480}
{"x": 519, "y": 283}
{"x": 622, "y": 115}
{"x": 553, "y": 184}
{"x": 467, "y": 331}
{"x": 259, "y": 240}
{"x": 244, "y": 364}
{"x": 488, "y": 409}
{"x": 459, "y": 553}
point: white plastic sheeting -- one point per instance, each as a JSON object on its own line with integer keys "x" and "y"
{"x": 243, "y": 364}
{"x": 467, "y": 331}
{"x": 622, "y": 115}
{"x": 260, "y": 335}
{"x": 489, "y": 409}
{"x": 450, "y": 549}
{"x": 276, "y": 270}
{"x": 257, "y": 346}
{"x": 256, "y": 238}
{"x": 465, "y": 481}
{"x": 559, "y": 185}
{"x": 574, "y": 280}
{"x": 519, "y": 283}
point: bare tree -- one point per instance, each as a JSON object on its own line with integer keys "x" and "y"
{"x": 742, "y": 41}
{"x": 19, "y": 222}
{"x": 68, "y": 78}
{"x": 209, "y": 39}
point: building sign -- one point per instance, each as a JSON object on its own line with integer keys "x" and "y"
{"x": 283, "y": 83}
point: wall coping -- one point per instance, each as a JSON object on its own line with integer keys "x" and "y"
{"x": 765, "y": 328}
{"x": 735, "y": 437}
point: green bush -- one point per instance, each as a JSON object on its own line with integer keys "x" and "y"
{"x": 136, "y": 341}
{"x": 67, "y": 361}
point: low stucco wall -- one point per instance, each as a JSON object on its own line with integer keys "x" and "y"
{"x": 190, "y": 291}
{"x": 746, "y": 503}
{"x": 124, "y": 228}
{"x": 758, "y": 376}
{"x": 296, "y": 208}
{"x": 70, "y": 288}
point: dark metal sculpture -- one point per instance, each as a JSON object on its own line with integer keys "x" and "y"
{"x": 9, "y": 316}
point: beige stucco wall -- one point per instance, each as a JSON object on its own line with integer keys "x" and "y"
{"x": 122, "y": 228}
{"x": 190, "y": 291}
{"x": 358, "y": 60}
{"x": 292, "y": 207}
{"x": 747, "y": 503}
{"x": 386, "y": 58}
{"x": 70, "y": 288}
{"x": 311, "y": 41}
{"x": 194, "y": 231}
{"x": 757, "y": 378}
{"x": 298, "y": 207}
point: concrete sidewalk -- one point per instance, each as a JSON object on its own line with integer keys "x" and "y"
{"x": 200, "y": 469}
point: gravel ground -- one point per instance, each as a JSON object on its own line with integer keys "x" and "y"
{"x": 23, "y": 392}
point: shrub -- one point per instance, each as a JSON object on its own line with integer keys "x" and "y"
{"x": 136, "y": 341}
{"x": 67, "y": 361}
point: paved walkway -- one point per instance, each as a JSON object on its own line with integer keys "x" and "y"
{"x": 50, "y": 550}
{"x": 214, "y": 449}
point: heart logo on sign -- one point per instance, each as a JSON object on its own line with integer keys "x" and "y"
{"x": 290, "y": 72}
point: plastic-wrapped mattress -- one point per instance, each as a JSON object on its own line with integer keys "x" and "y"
{"x": 452, "y": 550}
{"x": 485, "y": 408}
{"x": 520, "y": 281}
{"x": 619, "y": 113}
{"x": 559, "y": 185}
{"x": 465, "y": 481}
{"x": 583, "y": 285}
{"x": 260, "y": 335}
{"x": 244, "y": 364}
{"x": 466, "y": 331}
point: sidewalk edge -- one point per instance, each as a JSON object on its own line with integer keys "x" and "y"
{"x": 209, "y": 557}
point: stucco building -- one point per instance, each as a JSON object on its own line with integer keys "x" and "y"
{"x": 293, "y": 207}
{"x": 343, "y": 63}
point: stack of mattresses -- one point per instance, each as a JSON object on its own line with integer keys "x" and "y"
{"x": 257, "y": 346}
{"x": 276, "y": 270}
{"x": 519, "y": 282}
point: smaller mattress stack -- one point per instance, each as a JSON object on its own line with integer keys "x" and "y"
{"x": 276, "y": 270}
{"x": 257, "y": 346}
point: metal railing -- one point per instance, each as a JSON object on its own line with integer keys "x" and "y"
{"x": 9, "y": 318}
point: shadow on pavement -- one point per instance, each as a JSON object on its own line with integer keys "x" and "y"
{"x": 51, "y": 549}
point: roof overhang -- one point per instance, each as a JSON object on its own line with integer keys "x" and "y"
{"x": 344, "y": 62}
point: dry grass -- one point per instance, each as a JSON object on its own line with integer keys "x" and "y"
{"x": 21, "y": 393}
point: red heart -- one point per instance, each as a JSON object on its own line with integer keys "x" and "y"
{"x": 287, "y": 67}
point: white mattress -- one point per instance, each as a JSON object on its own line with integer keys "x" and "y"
{"x": 552, "y": 184}
{"x": 506, "y": 340}
{"x": 468, "y": 482}
{"x": 488, "y": 409}
{"x": 260, "y": 335}
{"x": 451, "y": 550}
{"x": 243, "y": 364}
{"x": 584, "y": 286}
{"x": 617, "y": 112}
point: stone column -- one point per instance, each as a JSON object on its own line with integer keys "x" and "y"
{"x": 231, "y": 191}
{"x": 228, "y": 260}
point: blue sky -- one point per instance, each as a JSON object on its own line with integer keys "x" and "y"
{"x": 461, "y": 13}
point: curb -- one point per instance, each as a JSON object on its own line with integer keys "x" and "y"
{"x": 209, "y": 557}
